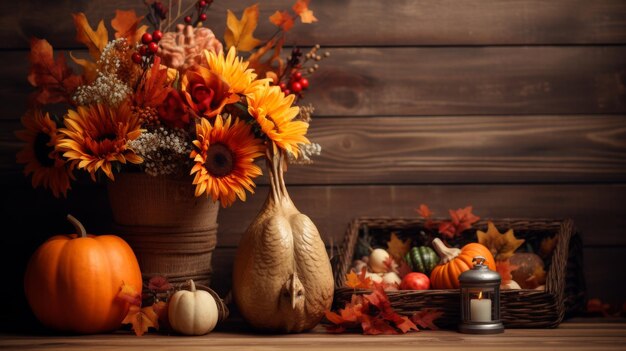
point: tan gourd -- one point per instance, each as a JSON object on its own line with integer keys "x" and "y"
{"x": 282, "y": 278}
{"x": 192, "y": 312}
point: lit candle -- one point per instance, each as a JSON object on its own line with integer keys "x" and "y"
{"x": 480, "y": 309}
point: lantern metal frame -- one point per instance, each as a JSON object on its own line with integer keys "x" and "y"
{"x": 480, "y": 284}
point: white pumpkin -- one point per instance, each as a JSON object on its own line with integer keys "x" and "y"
{"x": 192, "y": 312}
{"x": 377, "y": 261}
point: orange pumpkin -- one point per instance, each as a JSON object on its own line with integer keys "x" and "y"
{"x": 456, "y": 261}
{"x": 72, "y": 281}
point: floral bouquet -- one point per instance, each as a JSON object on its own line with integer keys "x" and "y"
{"x": 173, "y": 100}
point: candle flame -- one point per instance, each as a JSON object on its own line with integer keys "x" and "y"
{"x": 480, "y": 295}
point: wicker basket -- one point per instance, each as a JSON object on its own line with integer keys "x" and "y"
{"x": 564, "y": 289}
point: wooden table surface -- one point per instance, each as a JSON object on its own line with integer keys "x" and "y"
{"x": 569, "y": 336}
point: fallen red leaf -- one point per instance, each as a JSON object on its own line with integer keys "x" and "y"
{"x": 426, "y": 318}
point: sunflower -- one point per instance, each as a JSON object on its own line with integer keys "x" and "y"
{"x": 274, "y": 113}
{"x": 49, "y": 169}
{"x": 224, "y": 159}
{"x": 97, "y": 136}
{"x": 234, "y": 71}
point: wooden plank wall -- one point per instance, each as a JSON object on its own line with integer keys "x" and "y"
{"x": 517, "y": 107}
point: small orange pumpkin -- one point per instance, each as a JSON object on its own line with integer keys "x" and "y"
{"x": 456, "y": 261}
{"x": 72, "y": 281}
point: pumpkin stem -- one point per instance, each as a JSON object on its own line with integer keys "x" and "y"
{"x": 447, "y": 254}
{"x": 80, "y": 230}
{"x": 192, "y": 287}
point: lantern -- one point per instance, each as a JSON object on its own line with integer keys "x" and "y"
{"x": 480, "y": 300}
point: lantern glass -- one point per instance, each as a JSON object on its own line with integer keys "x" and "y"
{"x": 480, "y": 300}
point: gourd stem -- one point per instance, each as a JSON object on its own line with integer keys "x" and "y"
{"x": 447, "y": 254}
{"x": 275, "y": 160}
{"x": 192, "y": 287}
{"x": 80, "y": 229}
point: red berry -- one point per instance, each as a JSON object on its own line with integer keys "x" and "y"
{"x": 157, "y": 35}
{"x": 296, "y": 76}
{"x": 296, "y": 87}
{"x": 136, "y": 57}
{"x": 304, "y": 82}
{"x": 143, "y": 50}
{"x": 153, "y": 47}
{"x": 188, "y": 19}
{"x": 203, "y": 4}
{"x": 287, "y": 92}
{"x": 282, "y": 86}
{"x": 146, "y": 38}
{"x": 203, "y": 17}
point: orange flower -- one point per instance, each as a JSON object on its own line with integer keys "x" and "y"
{"x": 206, "y": 92}
{"x": 97, "y": 136}
{"x": 274, "y": 113}
{"x": 224, "y": 159}
{"x": 40, "y": 156}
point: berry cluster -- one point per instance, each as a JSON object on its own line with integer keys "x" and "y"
{"x": 297, "y": 83}
{"x": 150, "y": 46}
{"x": 202, "y": 6}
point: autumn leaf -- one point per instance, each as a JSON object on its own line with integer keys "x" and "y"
{"x": 94, "y": 40}
{"x": 424, "y": 211}
{"x": 372, "y": 313}
{"x": 403, "y": 268}
{"x": 398, "y": 248}
{"x": 358, "y": 281}
{"x": 391, "y": 264}
{"x": 426, "y": 318}
{"x": 141, "y": 319}
{"x": 462, "y": 219}
{"x": 283, "y": 20}
{"x": 129, "y": 294}
{"x": 240, "y": 33}
{"x": 504, "y": 268}
{"x": 446, "y": 229}
{"x": 547, "y": 246}
{"x": 301, "y": 8}
{"x": 126, "y": 25}
{"x": 267, "y": 68}
{"x": 502, "y": 246}
{"x": 56, "y": 82}
{"x": 161, "y": 309}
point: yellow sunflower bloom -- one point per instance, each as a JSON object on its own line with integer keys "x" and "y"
{"x": 49, "y": 169}
{"x": 234, "y": 71}
{"x": 97, "y": 136}
{"x": 224, "y": 159}
{"x": 274, "y": 113}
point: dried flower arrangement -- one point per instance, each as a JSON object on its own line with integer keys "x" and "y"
{"x": 174, "y": 101}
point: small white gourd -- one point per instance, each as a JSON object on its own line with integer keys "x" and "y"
{"x": 192, "y": 312}
{"x": 377, "y": 261}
